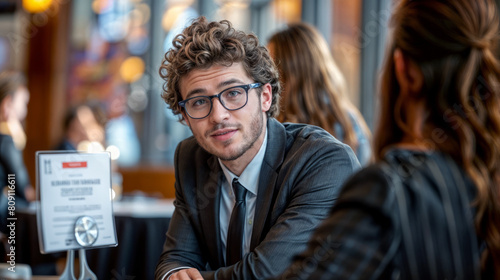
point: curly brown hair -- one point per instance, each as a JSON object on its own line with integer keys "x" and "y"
{"x": 454, "y": 43}
{"x": 204, "y": 44}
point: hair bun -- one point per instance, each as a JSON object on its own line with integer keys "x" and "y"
{"x": 481, "y": 44}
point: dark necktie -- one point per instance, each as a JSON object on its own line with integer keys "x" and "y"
{"x": 234, "y": 244}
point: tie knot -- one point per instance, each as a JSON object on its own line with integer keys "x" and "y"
{"x": 239, "y": 190}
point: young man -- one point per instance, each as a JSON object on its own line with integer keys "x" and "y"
{"x": 249, "y": 190}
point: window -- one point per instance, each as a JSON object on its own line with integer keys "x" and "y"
{"x": 118, "y": 46}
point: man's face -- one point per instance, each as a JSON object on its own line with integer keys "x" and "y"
{"x": 229, "y": 135}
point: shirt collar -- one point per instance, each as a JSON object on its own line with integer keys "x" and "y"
{"x": 249, "y": 178}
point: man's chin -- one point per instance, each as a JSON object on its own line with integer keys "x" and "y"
{"x": 221, "y": 150}
{"x": 225, "y": 156}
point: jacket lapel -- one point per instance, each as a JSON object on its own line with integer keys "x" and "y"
{"x": 208, "y": 196}
{"x": 273, "y": 159}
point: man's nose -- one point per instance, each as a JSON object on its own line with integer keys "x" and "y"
{"x": 219, "y": 112}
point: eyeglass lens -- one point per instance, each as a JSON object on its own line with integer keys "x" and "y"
{"x": 231, "y": 99}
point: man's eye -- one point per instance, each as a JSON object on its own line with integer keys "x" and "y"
{"x": 234, "y": 93}
{"x": 199, "y": 102}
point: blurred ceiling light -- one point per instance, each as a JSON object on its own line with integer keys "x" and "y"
{"x": 132, "y": 69}
{"x": 170, "y": 16}
{"x": 288, "y": 10}
{"x": 236, "y": 11}
{"x": 174, "y": 11}
{"x": 36, "y": 6}
{"x": 241, "y": 4}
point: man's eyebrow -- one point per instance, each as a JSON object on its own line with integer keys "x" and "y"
{"x": 221, "y": 85}
{"x": 195, "y": 91}
{"x": 229, "y": 82}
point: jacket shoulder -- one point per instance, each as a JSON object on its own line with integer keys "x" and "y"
{"x": 309, "y": 139}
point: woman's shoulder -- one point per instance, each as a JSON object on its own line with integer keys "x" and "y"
{"x": 370, "y": 186}
{"x": 414, "y": 175}
{"x": 433, "y": 167}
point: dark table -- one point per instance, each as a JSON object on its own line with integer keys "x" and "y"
{"x": 140, "y": 229}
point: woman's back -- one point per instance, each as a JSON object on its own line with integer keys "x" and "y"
{"x": 434, "y": 221}
{"x": 409, "y": 217}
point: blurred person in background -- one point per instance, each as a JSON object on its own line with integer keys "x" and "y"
{"x": 314, "y": 88}
{"x": 430, "y": 207}
{"x": 120, "y": 128}
{"x": 84, "y": 130}
{"x": 83, "y": 124}
{"x": 14, "y": 97}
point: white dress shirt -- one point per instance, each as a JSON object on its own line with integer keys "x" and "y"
{"x": 249, "y": 179}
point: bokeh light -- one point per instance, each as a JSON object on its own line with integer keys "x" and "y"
{"x": 90, "y": 147}
{"x": 36, "y": 6}
{"x": 114, "y": 151}
{"x": 132, "y": 69}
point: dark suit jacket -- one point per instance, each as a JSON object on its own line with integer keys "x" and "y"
{"x": 300, "y": 177}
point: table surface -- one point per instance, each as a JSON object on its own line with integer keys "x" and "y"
{"x": 147, "y": 208}
{"x": 139, "y": 207}
{"x": 140, "y": 225}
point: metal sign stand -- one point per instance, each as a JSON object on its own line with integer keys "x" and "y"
{"x": 69, "y": 270}
{"x": 86, "y": 232}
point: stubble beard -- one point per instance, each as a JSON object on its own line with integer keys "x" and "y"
{"x": 256, "y": 127}
{"x": 255, "y": 131}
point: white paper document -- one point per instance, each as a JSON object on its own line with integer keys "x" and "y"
{"x": 72, "y": 185}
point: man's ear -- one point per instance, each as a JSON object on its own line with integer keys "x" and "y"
{"x": 266, "y": 97}
{"x": 185, "y": 118}
{"x": 408, "y": 74}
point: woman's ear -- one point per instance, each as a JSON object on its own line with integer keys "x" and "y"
{"x": 408, "y": 74}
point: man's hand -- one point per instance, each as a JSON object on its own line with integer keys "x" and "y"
{"x": 186, "y": 274}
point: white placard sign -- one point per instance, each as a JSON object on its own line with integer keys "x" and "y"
{"x": 72, "y": 185}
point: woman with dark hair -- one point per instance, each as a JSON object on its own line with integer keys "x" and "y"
{"x": 430, "y": 207}
{"x": 14, "y": 97}
{"x": 314, "y": 89}
{"x": 83, "y": 124}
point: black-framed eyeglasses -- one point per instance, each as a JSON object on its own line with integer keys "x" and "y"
{"x": 233, "y": 98}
